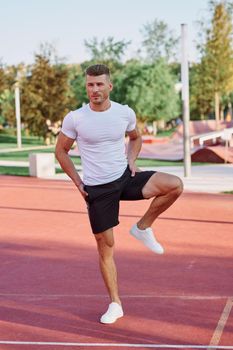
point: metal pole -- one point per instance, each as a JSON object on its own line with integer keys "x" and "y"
{"x": 185, "y": 100}
{"x": 17, "y": 114}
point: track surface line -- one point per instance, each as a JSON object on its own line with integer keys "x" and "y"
{"x": 221, "y": 323}
{"x": 121, "y": 345}
{"x": 126, "y": 296}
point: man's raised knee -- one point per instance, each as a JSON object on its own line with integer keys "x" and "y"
{"x": 178, "y": 185}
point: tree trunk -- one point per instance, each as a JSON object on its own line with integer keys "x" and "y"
{"x": 155, "y": 128}
{"x": 217, "y": 116}
{"x": 221, "y": 114}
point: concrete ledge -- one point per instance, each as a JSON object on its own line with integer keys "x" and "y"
{"x": 42, "y": 164}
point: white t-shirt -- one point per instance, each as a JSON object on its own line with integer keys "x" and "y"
{"x": 101, "y": 140}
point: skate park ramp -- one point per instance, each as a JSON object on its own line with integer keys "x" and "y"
{"x": 213, "y": 149}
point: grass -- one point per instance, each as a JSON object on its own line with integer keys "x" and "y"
{"x": 13, "y": 170}
{"x": 156, "y": 163}
{"x": 228, "y": 192}
{"x": 23, "y": 155}
{"x": 10, "y": 141}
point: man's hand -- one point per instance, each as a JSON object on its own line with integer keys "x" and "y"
{"x": 133, "y": 168}
{"x": 82, "y": 191}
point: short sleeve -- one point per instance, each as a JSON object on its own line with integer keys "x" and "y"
{"x": 68, "y": 126}
{"x": 131, "y": 119}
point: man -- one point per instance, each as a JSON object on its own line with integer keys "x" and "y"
{"x": 111, "y": 175}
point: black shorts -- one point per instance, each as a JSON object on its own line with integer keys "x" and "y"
{"x": 103, "y": 200}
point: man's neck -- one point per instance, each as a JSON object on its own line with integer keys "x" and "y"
{"x": 100, "y": 107}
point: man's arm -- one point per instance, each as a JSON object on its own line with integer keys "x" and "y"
{"x": 134, "y": 147}
{"x": 63, "y": 146}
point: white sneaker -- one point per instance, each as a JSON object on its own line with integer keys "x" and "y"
{"x": 114, "y": 312}
{"x": 147, "y": 238}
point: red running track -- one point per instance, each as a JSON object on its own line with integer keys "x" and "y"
{"x": 51, "y": 292}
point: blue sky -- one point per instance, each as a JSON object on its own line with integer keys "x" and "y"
{"x": 25, "y": 24}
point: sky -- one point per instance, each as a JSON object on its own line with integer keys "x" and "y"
{"x": 25, "y": 24}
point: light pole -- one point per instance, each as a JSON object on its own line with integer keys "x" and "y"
{"x": 17, "y": 114}
{"x": 185, "y": 100}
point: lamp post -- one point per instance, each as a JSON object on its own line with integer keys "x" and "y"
{"x": 185, "y": 100}
{"x": 17, "y": 114}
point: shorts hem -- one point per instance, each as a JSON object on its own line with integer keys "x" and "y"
{"x": 95, "y": 232}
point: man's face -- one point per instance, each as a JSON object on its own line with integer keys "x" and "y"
{"x": 98, "y": 88}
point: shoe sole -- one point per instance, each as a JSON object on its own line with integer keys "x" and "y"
{"x": 112, "y": 321}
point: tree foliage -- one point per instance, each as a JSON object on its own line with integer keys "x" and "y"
{"x": 201, "y": 93}
{"x": 45, "y": 93}
{"x": 149, "y": 89}
{"x": 7, "y": 98}
{"x": 219, "y": 50}
{"x": 2, "y": 88}
{"x": 2, "y": 79}
{"x": 214, "y": 76}
{"x": 158, "y": 41}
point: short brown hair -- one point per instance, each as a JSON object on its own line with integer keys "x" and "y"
{"x": 97, "y": 69}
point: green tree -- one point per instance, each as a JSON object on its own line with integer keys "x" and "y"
{"x": 158, "y": 41}
{"x": 45, "y": 92}
{"x": 2, "y": 78}
{"x": 7, "y": 95}
{"x": 149, "y": 89}
{"x": 7, "y": 112}
{"x": 2, "y": 88}
{"x": 201, "y": 93}
{"x": 217, "y": 54}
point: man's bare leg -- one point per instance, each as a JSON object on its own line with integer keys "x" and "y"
{"x": 165, "y": 189}
{"x": 105, "y": 244}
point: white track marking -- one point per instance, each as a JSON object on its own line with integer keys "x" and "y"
{"x": 221, "y": 323}
{"x": 120, "y": 345}
{"x": 126, "y": 296}
{"x": 213, "y": 343}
